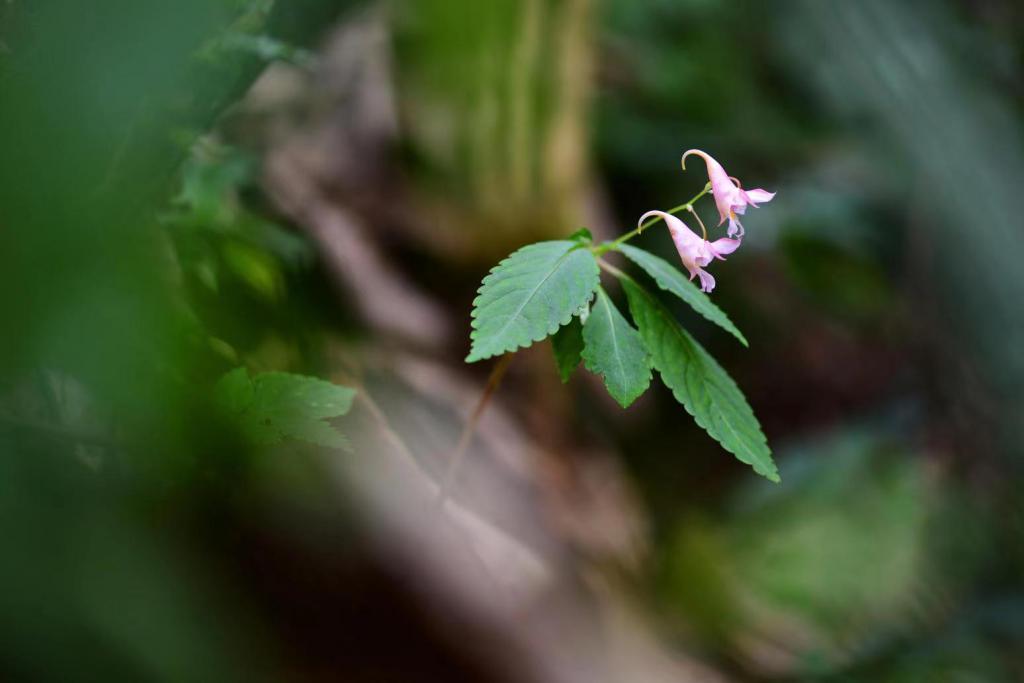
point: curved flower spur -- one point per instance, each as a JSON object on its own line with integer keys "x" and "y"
{"x": 730, "y": 197}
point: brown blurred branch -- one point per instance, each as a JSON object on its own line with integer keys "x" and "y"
{"x": 493, "y": 382}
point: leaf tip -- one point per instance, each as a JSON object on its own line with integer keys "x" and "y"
{"x": 627, "y": 401}
{"x": 583, "y": 235}
{"x": 769, "y": 471}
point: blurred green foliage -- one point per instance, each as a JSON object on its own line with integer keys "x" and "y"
{"x": 106, "y": 577}
{"x": 140, "y": 261}
{"x": 273, "y": 406}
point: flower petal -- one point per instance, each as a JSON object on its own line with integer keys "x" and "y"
{"x": 758, "y": 196}
{"x": 724, "y": 246}
{"x": 707, "y": 281}
{"x": 735, "y": 227}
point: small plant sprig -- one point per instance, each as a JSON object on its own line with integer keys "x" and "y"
{"x": 553, "y": 289}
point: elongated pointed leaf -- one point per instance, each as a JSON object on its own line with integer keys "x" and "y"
{"x": 613, "y": 349}
{"x": 699, "y": 382}
{"x": 672, "y": 280}
{"x": 567, "y": 343}
{"x": 529, "y": 295}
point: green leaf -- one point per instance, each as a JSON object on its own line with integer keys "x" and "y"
{"x": 582, "y": 235}
{"x": 699, "y": 382}
{"x": 529, "y": 295}
{"x": 273, "y": 406}
{"x": 583, "y": 312}
{"x": 616, "y": 351}
{"x": 256, "y": 268}
{"x": 671, "y": 280}
{"x": 567, "y": 343}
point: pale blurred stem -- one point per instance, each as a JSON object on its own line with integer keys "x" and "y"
{"x": 609, "y": 268}
{"x": 688, "y": 206}
{"x": 703, "y": 230}
{"x": 493, "y": 382}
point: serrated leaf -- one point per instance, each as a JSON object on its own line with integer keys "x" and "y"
{"x": 567, "y": 343}
{"x": 273, "y": 406}
{"x": 613, "y": 349}
{"x": 672, "y": 280}
{"x": 699, "y": 382}
{"x": 529, "y": 295}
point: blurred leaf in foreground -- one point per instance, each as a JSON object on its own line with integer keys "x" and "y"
{"x": 274, "y": 406}
{"x": 858, "y": 566}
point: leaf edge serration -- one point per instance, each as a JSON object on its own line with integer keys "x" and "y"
{"x": 725, "y": 324}
{"x": 769, "y": 471}
{"x": 591, "y": 363}
{"x": 571, "y": 246}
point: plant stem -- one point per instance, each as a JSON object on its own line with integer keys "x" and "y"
{"x": 688, "y": 206}
{"x": 493, "y": 382}
{"x": 604, "y": 265}
{"x": 703, "y": 230}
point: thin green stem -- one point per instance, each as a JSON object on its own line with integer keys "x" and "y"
{"x": 609, "y": 246}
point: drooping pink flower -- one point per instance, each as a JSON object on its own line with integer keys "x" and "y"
{"x": 731, "y": 199}
{"x": 695, "y": 251}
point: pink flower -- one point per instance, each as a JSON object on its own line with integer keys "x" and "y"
{"x": 696, "y": 252}
{"x": 730, "y": 198}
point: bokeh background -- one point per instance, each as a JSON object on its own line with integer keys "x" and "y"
{"x": 318, "y": 186}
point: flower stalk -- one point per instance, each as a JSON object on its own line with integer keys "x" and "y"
{"x": 610, "y": 246}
